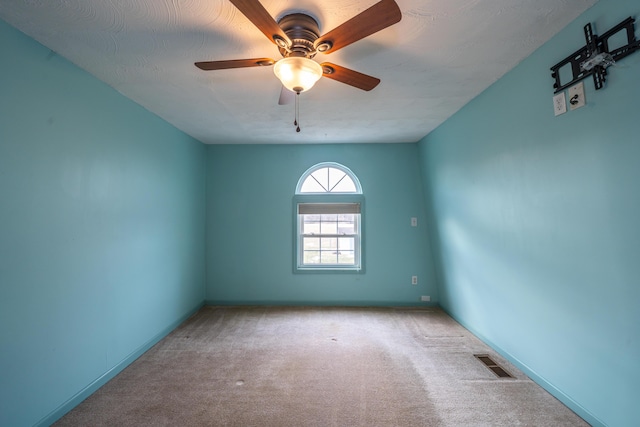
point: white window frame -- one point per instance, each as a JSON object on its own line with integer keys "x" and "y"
{"x": 328, "y": 203}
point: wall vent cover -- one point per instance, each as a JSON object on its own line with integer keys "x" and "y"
{"x": 498, "y": 370}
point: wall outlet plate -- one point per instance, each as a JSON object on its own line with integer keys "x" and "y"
{"x": 414, "y": 221}
{"x": 559, "y": 104}
{"x": 414, "y": 280}
{"x": 576, "y": 96}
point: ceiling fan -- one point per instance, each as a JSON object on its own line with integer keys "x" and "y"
{"x": 297, "y": 37}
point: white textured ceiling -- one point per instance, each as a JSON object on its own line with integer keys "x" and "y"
{"x": 437, "y": 58}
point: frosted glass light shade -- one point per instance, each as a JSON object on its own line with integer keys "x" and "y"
{"x": 297, "y": 73}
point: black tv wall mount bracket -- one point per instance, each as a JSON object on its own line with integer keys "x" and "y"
{"x": 595, "y": 56}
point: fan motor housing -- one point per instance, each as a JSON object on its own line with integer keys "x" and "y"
{"x": 303, "y": 31}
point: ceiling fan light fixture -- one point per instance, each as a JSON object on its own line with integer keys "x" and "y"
{"x": 298, "y": 74}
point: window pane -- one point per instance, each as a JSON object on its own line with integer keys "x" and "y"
{"x": 310, "y": 227}
{"x": 346, "y": 244}
{"x": 345, "y": 227}
{"x": 347, "y": 217}
{"x": 311, "y": 217}
{"x": 329, "y": 243}
{"x": 322, "y": 176}
{"x": 346, "y": 185}
{"x": 311, "y": 257}
{"x": 310, "y": 185}
{"x": 328, "y": 257}
{"x": 346, "y": 257}
{"x": 335, "y": 177}
{"x": 310, "y": 243}
{"x": 330, "y": 227}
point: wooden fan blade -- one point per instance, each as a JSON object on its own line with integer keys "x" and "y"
{"x": 258, "y": 15}
{"x": 234, "y": 63}
{"x": 350, "y": 77}
{"x": 286, "y": 96}
{"x": 378, "y": 17}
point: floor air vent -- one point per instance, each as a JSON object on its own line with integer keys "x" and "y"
{"x": 493, "y": 366}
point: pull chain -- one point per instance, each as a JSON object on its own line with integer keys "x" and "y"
{"x": 295, "y": 121}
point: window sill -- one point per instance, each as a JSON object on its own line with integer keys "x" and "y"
{"x": 329, "y": 270}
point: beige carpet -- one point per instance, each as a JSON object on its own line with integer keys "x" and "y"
{"x": 319, "y": 366}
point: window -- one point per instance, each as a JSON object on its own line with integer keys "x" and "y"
{"x": 328, "y": 179}
{"x": 329, "y": 234}
{"x": 328, "y": 210}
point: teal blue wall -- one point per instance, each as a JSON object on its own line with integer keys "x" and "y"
{"x": 537, "y": 230}
{"x": 101, "y": 230}
{"x": 250, "y": 226}
{"x": 533, "y": 224}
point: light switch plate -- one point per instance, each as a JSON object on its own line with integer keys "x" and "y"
{"x": 559, "y": 104}
{"x": 576, "y": 96}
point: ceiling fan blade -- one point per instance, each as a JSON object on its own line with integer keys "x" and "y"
{"x": 258, "y": 15}
{"x": 378, "y": 17}
{"x": 350, "y": 77}
{"x": 234, "y": 63}
{"x": 286, "y": 96}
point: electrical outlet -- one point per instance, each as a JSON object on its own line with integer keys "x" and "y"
{"x": 414, "y": 280}
{"x": 559, "y": 104}
{"x": 576, "y": 96}
{"x": 425, "y": 298}
{"x": 414, "y": 221}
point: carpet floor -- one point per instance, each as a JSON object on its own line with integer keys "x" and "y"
{"x": 319, "y": 366}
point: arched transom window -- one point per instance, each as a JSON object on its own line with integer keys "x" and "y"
{"x": 328, "y": 205}
{"x": 328, "y": 178}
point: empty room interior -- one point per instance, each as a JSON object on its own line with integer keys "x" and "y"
{"x": 142, "y": 193}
